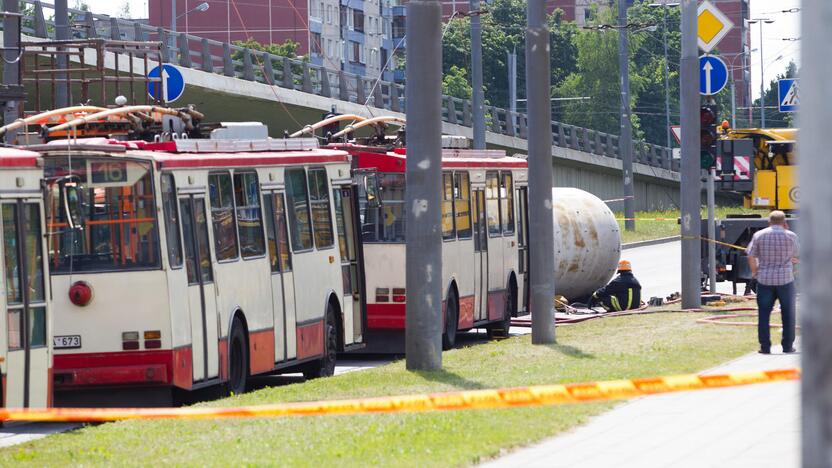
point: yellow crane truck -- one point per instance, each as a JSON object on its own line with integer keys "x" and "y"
{"x": 760, "y": 165}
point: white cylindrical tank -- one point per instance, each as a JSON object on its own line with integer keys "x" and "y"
{"x": 587, "y": 242}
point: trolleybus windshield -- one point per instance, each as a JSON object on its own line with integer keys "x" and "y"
{"x": 384, "y": 221}
{"x": 114, "y": 217}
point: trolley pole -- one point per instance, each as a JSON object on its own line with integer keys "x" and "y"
{"x": 625, "y": 141}
{"x": 815, "y": 226}
{"x": 691, "y": 183}
{"x": 541, "y": 241}
{"x": 711, "y": 230}
{"x": 423, "y": 321}
{"x": 477, "y": 95}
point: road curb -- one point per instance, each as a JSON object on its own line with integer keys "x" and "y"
{"x": 662, "y": 240}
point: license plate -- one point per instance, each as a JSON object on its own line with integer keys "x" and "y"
{"x": 66, "y": 341}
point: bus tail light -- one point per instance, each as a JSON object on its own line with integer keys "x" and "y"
{"x": 399, "y": 295}
{"x": 152, "y": 339}
{"x": 382, "y": 295}
{"x": 80, "y": 293}
{"x": 130, "y": 341}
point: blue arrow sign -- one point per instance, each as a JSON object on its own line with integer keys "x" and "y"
{"x": 713, "y": 74}
{"x": 787, "y": 95}
{"x": 174, "y": 83}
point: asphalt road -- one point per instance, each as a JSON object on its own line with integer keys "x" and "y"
{"x": 658, "y": 269}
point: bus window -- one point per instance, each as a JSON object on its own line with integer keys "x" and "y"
{"x": 298, "y": 201}
{"x": 462, "y": 205}
{"x": 319, "y": 202}
{"x": 492, "y": 203}
{"x": 24, "y": 278}
{"x": 447, "y": 206}
{"x": 507, "y": 203}
{"x": 276, "y": 232}
{"x": 196, "y": 239}
{"x": 249, "y": 219}
{"x": 116, "y": 215}
{"x": 171, "y": 221}
{"x": 222, "y": 215}
{"x": 384, "y": 222}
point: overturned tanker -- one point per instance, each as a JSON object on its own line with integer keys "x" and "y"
{"x": 587, "y": 242}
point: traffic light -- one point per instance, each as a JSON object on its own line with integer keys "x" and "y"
{"x": 707, "y": 136}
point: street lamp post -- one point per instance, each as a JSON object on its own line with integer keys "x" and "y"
{"x": 762, "y": 72}
{"x": 173, "y": 17}
{"x": 664, "y": 6}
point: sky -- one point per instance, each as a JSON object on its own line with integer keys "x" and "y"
{"x": 786, "y": 25}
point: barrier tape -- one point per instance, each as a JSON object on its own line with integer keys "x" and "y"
{"x": 618, "y": 199}
{"x": 733, "y": 246}
{"x": 647, "y": 219}
{"x": 459, "y": 400}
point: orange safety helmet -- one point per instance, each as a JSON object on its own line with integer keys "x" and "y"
{"x": 624, "y": 265}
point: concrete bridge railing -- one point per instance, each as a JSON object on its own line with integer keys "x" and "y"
{"x": 228, "y": 59}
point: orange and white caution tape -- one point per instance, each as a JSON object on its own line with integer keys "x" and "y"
{"x": 469, "y": 399}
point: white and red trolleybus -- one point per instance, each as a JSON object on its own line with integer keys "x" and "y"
{"x": 195, "y": 262}
{"x": 25, "y": 348}
{"x": 484, "y": 249}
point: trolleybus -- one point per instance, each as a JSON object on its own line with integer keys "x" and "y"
{"x": 25, "y": 347}
{"x": 193, "y": 262}
{"x": 484, "y": 232}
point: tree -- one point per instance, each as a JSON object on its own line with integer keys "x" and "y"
{"x": 124, "y": 11}
{"x": 455, "y": 83}
{"x": 289, "y": 48}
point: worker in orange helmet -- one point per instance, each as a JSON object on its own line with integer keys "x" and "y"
{"x": 622, "y": 293}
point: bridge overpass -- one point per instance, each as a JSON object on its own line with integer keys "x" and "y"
{"x": 228, "y": 82}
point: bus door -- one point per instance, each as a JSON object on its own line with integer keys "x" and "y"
{"x": 27, "y": 357}
{"x": 283, "y": 281}
{"x": 349, "y": 243}
{"x": 523, "y": 247}
{"x": 201, "y": 289}
{"x": 496, "y": 244}
{"x": 480, "y": 256}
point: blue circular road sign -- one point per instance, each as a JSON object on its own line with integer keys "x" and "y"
{"x": 713, "y": 74}
{"x": 174, "y": 83}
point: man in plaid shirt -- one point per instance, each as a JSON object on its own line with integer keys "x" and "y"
{"x": 772, "y": 254}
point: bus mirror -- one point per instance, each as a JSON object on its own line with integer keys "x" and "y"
{"x": 70, "y": 196}
{"x": 370, "y": 182}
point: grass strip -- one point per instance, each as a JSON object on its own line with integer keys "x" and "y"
{"x": 604, "y": 349}
{"x": 647, "y": 228}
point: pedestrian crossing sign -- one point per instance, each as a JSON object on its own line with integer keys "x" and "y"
{"x": 787, "y": 95}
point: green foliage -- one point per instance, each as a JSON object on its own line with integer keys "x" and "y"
{"x": 455, "y": 83}
{"x": 289, "y": 48}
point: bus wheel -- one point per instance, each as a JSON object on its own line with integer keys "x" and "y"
{"x": 325, "y": 367}
{"x": 500, "y": 329}
{"x": 451, "y": 322}
{"x": 237, "y": 359}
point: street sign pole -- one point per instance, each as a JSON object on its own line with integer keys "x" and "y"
{"x": 712, "y": 230}
{"x": 691, "y": 184}
{"x": 423, "y": 251}
{"x": 541, "y": 228}
{"x": 815, "y": 226}
{"x": 625, "y": 141}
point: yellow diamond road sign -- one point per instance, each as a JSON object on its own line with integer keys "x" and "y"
{"x": 713, "y": 25}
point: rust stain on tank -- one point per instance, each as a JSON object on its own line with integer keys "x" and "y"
{"x": 574, "y": 267}
{"x": 579, "y": 240}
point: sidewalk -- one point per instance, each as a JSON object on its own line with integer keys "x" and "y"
{"x": 755, "y": 426}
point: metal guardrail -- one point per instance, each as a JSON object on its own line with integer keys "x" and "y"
{"x": 231, "y": 60}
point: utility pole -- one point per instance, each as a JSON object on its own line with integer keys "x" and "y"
{"x": 711, "y": 230}
{"x": 762, "y": 21}
{"x": 625, "y": 140}
{"x": 512, "y": 83}
{"x": 62, "y": 86}
{"x": 539, "y": 111}
{"x": 733, "y": 102}
{"x": 815, "y": 226}
{"x": 666, "y": 76}
{"x": 477, "y": 96}
{"x": 691, "y": 183}
{"x": 423, "y": 252}
{"x": 11, "y": 67}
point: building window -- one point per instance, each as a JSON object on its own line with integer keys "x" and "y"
{"x": 358, "y": 20}
{"x": 315, "y": 46}
{"x": 329, "y": 14}
{"x": 399, "y": 26}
